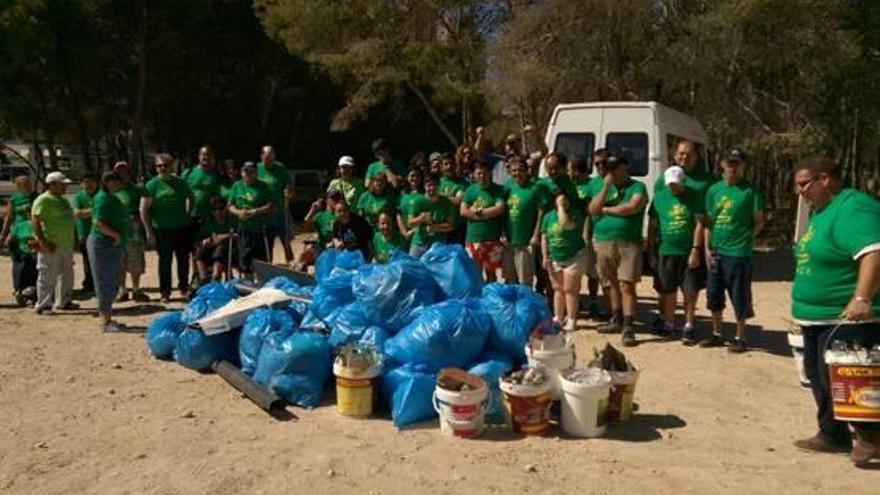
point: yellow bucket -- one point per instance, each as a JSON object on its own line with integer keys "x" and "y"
{"x": 355, "y": 394}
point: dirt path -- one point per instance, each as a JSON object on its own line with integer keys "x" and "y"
{"x": 84, "y": 412}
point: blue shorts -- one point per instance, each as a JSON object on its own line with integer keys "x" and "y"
{"x": 733, "y": 275}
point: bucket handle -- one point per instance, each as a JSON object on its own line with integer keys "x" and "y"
{"x": 830, "y": 336}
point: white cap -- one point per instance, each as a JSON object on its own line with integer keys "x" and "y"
{"x": 57, "y": 177}
{"x": 346, "y": 161}
{"x": 674, "y": 175}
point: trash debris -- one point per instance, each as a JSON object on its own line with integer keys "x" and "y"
{"x": 588, "y": 376}
{"x": 526, "y": 376}
{"x": 610, "y": 359}
{"x": 457, "y": 380}
{"x": 842, "y": 352}
{"x": 187, "y": 415}
{"x": 530, "y": 468}
{"x": 358, "y": 358}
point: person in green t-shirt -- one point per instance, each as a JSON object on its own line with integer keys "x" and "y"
{"x": 735, "y": 215}
{"x": 579, "y": 172}
{"x": 204, "y": 181}
{"x": 482, "y": 207}
{"x": 407, "y": 204}
{"x": 836, "y": 295}
{"x": 452, "y": 187}
{"x": 526, "y": 201}
{"x": 54, "y": 227}
{"x": 165, "y": 208}
{"x": 350, "y": 186}
{"x": 618, "y": 208}
{"x": 677, "y": 218}
{"x": 557, "y": 180}
{"x": 251, "y": 201}
{"x": 19, "y": 207}
{"x": 134, "y": 262}
{"x": 321, "y": 216}
{"x": 111, "y": 227}
{"x": 215, "y": 249}
{"x": 82, "y": 210}
{"x": 21, "y": 243}
{"x": 375, "y": 200}
{"x": 565, "y": 258}
{"x": 432, "y": 220}
{"x": 229, "y": 176}
{"x": 387, "y": 239}
{"x": 275, "y": 175}
{"x": 393, "y": 170}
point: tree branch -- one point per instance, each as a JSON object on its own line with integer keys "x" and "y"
{"x": 433, "y": 113}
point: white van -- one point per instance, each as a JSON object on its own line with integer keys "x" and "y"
{"x": 643, "y": 132}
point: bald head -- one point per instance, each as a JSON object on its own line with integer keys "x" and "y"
{"x": 267, "y": 154}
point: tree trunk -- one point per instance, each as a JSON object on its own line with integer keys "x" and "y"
{"x": 432, "y": 112}
{"x": 141, "y": 90}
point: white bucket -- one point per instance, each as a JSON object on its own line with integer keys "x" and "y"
{"x": 585, "y": 407}
{"x": 462, "y": 413}
{"x": 796, "y": 341}
{"x": 556, "y": 362}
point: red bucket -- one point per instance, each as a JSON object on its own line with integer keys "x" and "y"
{"x": 855, "y": 390}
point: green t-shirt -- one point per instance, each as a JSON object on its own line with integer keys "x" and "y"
{"x": 204, "y": 185}
{"x": 211, "y": 226}
{"x": 323, "y": 222}
{"x": 564, "y": 184}
{"x": 21, "y": 233}
{"x": 109, "y": 209}
{"x": 484, "y": 230}
{"x": 441, "y": 211}
{"x": 80, "y": 201}
{"x": 376, "y": 167}
{"x": 226, "y": 187}
{"x": 676, "y": 216}
{"x": 57, "y": 219}
{"x": 20, "y": 204}
{"x": 583, "y": 189}
{"x": 614, "y": 227}
{"x": 449, "y": 188}
{"x": 370, "y": 206}
{"x": 697, "y": 179}
{"x": 351, "y": 188}
{"x": 826, "y": 272}
{"x": 169, "y": 196}
{"x": 562, "y": 244}
{"x": 523, "y": 203}
{"x": 730, "y": 212}
{"x": 256, "y": 195}
{"x": 382, "y": 247}
{"x": 130, "y": 197}
{"x": 407, "y": 206}
{"x": 277, "y": 178}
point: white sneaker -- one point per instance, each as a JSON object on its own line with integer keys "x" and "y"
{"x": 570, "y": 325}
{"x": 114, "y": 327}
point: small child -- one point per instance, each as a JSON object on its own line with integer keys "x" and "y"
{"x": 321, "y": 215}
{"x": 387, "y": 239}
{"x": 212, "y": 251}
{"x": 22, "y": 244}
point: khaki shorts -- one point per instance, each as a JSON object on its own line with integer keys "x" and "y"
{"x": 591, "y": 272}
{"x": 619, "y": 260}
{"x": 576, "y": 266}
{"x": 518, "y": 266}
{"x": 134, "y": 260}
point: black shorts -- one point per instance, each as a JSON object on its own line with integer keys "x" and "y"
{"x": 672, "y": 274}
{"x": 217, "y": 254}
{"x": 733, "y": 275}
{"x": 251, "y": 246}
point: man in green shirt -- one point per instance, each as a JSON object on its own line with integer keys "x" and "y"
{"x": 82, "y": 210}
{"x": 54, "y": 227}
{"x": 251, "y": 201}
{"x": 387, "y": 239}
{"x": 19, "y": 207}
{"x": 204, "y": 181}
{"x": 618, "y": 208}
{"x": 214, "y": 251}
{"x": 393, "y": 170}
{"x": 735, "y": 215}
{"x": 275, "y": 175}
{"x": 321, "y": 216}
{"x": 407, "y": 204}
{"x": 522, "y": 227}
{"x": 375, "y": 200}
{"x": 433, "y": 218}
{"x": 836, "y": 295}
{"x": 350, "y": 186}
{"x": 579, "y": 173}
{"x": 21, "y": 243}
{"x": 677, "y": 215}
{"x": 557, "y": 181}
{"x": 134, "y": 262}
{"x": 164, "y": 209}
{"x": 452, "y": 187}
{"x": 482, "y": 207}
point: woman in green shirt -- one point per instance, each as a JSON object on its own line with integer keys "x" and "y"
{"x": 408, "y": 204}
{"x": 351, "y": 186}
{"x": 376, "y": 200}
{"x": 19, "y": 205}
{"x": 387, "y": 239}
{"x": 106, "y": 243}
{"x": 251, "y": 201}
{"x": 565, "y": 256}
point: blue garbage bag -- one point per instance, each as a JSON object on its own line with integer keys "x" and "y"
{"x": 391, "y": 293}
{"x": 284, "y": 284}
{"x": 324, "y": 264}
{"x": 295, "y": 365}
{"x": 258, "y": 325}
{"x": 333, "y": 262}
{"x": 455, "y": 271}
{"x": 331, "y": 294}
{"x": 376, "y": 336}
{"x": 409, "y": 391}
{"x": 490, "y": 368}
{"x": 398, "y": 255}
{"x": 312, "y": 323}
{"x": 208, "y": 298}
{"x": 298, "y": 309}
{"x": 450, "y": 333}
{"x": 515, "y": 311}
{"x": 162, "y": 334}
{"x": 347, "y": 325}
{"x": 197, "y": 351}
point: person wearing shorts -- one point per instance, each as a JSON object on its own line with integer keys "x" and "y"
{"x": 452, "y": 187}
{"x": 482, "y": 207}
{"x": 579, "y": 172}
{"x": 251, "y": 201}
{"x": 618, "y": 207}
{"x": 677, "y": 215}
{"x": 215, "y": 248}
{"x": 525, "y": 207}
{"x": 735, "y": 214}
{"x": 276, "y": 177}
{"x": 133, "y": 258}
{"x": 565, "y": 255}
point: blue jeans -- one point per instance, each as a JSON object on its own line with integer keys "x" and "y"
{"x": 106, "y": 264}
{"x": 733, "y": 275}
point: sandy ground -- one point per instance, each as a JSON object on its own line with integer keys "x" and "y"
{"x": 85, "y": 412}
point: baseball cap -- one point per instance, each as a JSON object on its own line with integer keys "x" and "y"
{"x": 674, "y": 175}
{"x": 435, "y": 156}
{"x": 512, "y": 137}
{"x": 346, "y": 161}
{"x": 121, "y": 165}
{"x": 57, "y": 178}
{"x": 736, "y": 154}
{"x": 615, "y": 160}
{"x": 248, "y": 165}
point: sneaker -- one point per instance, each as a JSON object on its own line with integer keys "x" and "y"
{"x": 140, "y": 296}
{"x": 165, "y": 299}
{"x": 610, "y": 327}
{"x": 123, "y": 296}
{"x": 39, "y": 310}
{"x": 20, "y": 299}
{"x": 114, "y": 327}
{"x": 658, "y": 326}
{"x": 570, "y": 325}
{"x": 688, "y": 335}
{"x": 713, "y": 340}
{"x": 70, "y": 306}
{"x": 738, "y": 346}
{"x": 628, "y": 338}
{"x": 817, "y": 444}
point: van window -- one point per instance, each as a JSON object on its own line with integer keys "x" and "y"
{"x": 575, "y": 145}
{"x": 633, "y": 146}
{"x": 672, "y": 142}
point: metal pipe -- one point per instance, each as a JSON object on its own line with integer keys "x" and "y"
{"x": 261, "y": 396}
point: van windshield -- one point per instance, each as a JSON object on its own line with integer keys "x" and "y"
{"x": 577, "y": 145}
{"x": 633, "y": 146}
